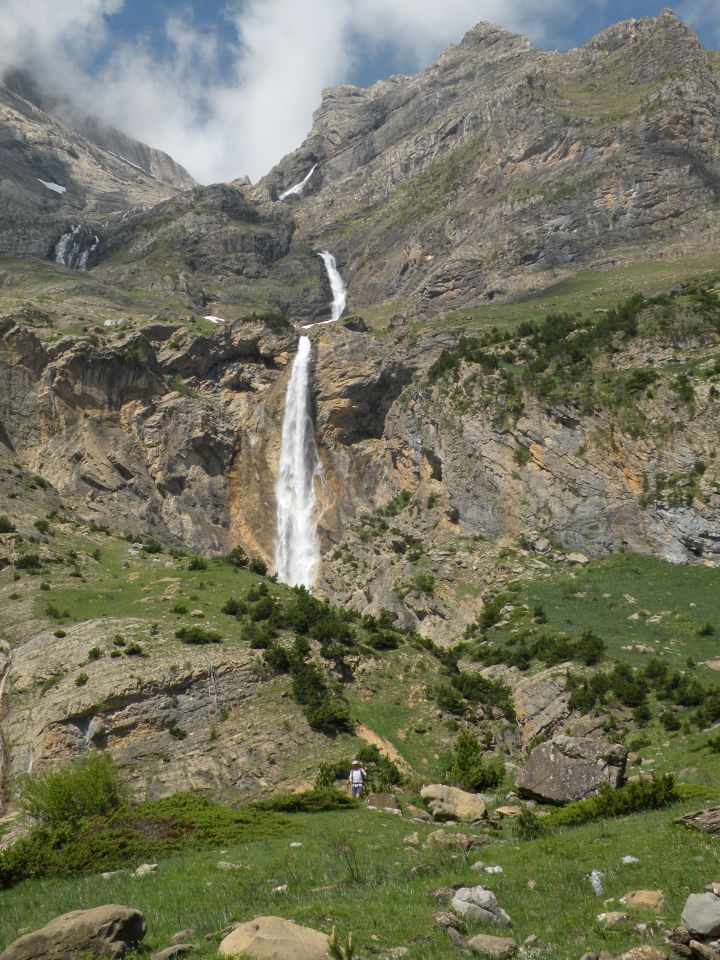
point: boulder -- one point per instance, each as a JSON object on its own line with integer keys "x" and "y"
{"x": 383, "y": 801}
{"x": 497, "y": 947}
{"x": 571, "y": 768}
{"x": 701, "y": 914}
{"x": 613, "y": 919}
{"x": 644, "y": 900}
{"x": 273, "y": 938}
{"x": 706, "y": 820}
{"x": 479, "y": 905}
{"x": 111, "y": 930}
{"x": 541, "y": 704}
{"x": 453, "y": 803}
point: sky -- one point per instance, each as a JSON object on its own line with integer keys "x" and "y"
{"x": 228, "y": 87}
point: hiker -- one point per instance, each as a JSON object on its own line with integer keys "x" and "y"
{"x": 356, "y": 779}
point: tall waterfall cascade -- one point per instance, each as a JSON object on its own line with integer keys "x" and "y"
{"x": 297, "y": 546}
{"x": 297, "y": 189}
{"x": 74, "y": 247}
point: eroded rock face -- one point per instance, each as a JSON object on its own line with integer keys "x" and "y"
{"x": 110, "y": 930}
{"x": 571, "y": 768}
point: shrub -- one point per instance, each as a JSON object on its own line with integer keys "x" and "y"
{"x": 469, "y": 769}
{"x": 197, "y": 635}
{"x": 308, "y": 801}
{"x": 134, "y": 650}
{"x": 81, "y": 679}
{"x": 42, "y": 525}
{"x": 234, "y": 608}
{"x": 179, "y": 608}
{"x": 94, "y": 653}
{"x": 90, "y": 787}
{"x": 29, "y": 561}
{"x": 179, "y": 733}
{"x": 638, "y": 795}
{"x": 197, "y": 563}
{"x": 6, "y": 526}
{"x": 527, "y": 825}
{"x": 256, "y": 565}
{"x": 237, "y": 557}
{"x": 152, "y": 546}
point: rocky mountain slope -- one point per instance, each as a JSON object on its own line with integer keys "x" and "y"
{"x": 53, "y": 176}
{"x": 502, "y": 167}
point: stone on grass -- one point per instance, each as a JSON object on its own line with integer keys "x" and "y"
{"x": 703, "y": 951}
{"x": 571, "y": 768}
{"x": 479, "y": 905}
{"x": 274, "y": 938}
{"x": 644, "y": 900}
{"x": 383, "y": 801}
{"x": 145, "y": 869}
{"x": 183, "y": 936}
{"x": 613, "y": 919}
{"x": 644, "y": 952}
{"x": 706, "y": 820}
{"x": 444, "y": 839}
{"x": 175, "y": 950}
{"x": 111, "y": 930}
{"x": 445, "y": 918}
{"x": 497, "y": 947}
{"x": 701, "y": 914}
{"x": 452, "y": 802}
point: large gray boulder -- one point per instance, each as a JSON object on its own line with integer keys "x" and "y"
{"x": 479, "y": 905}
{"x": 571, "y": 768}
{"x": 701, "y": 914}
{"x": 452, "y": 803}
{"x": 274, "y": 938}
{"x": 108, "y": 931}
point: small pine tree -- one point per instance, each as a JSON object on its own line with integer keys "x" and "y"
{"x": 468, "y": 768}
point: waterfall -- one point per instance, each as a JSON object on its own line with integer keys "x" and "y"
{"x": 297, "y": 189}
{"x": 297, "y": 550}
{"x": 74, "y": 247}
{"x": 337, "y": 287}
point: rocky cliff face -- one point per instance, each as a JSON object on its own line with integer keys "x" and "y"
{"x": 501, "y": 168}
{"x": 52, "y": 176}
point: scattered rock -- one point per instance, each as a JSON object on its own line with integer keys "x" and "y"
{"x": 145, "y": 869}
{"x": 175, "y": 950}
{"x": 396, "y": 952}
{"x": 509, "y": 811}
{"x": 226, "y": 865}
{"x": 489, "y": 946}
{"x": 110, "y": 929}
{"x": 197, "y": 613}
{"x": 703, "y": 951}
{"x": 479, "y": 905}
{"x": 183, "y": 936}
{"x": 578, "y": 558}
{"x": 701, "y": 914}
{"x": 571, "y": 768}
{"x": 383, "y": 801}
{"x": 268, "y": 938}
{"x": 452, "y": 802}
{"x": 613, "y": 919}
{"x": 706, "y": 820}
{"x": 444, "y": 839}
{"x": 443, "y": 894}
{"x": 416, "y": 813}
{"x": 459, "y": 941}
{"x": 444, "y": 918}
{"x": 413, "y": 839}
{"x": 644, "y": 952}
{"x": 645, "y": 900}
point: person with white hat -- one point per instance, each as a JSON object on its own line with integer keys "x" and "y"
{"x": 356, "y": 779}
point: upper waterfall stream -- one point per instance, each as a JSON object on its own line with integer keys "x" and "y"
{"x": 297, "y": 548}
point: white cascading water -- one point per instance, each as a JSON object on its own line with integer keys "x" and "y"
{"x": 74, "y": 247}
{"x": 339, "y": 291}
{"x": 298, "y": 188}
{"x": 297, "y": 549}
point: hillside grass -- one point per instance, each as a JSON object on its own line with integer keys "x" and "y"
{"x": 355, "y": 871}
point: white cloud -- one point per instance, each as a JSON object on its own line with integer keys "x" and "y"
{"x": 283, "y": 52}
{"x": 703, "y": 15}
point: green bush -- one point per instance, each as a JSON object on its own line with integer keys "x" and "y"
{"x": 90, "y": 787}
{"x": 258, "y": 566}
{"x": 197, "y": 635}
{"x": 237, "y": 557}
{"x": 638, "y": 795}
{"x": 197, "y": 563}
{"x": 308, "y": 801}
{"x": 6, "y": 526}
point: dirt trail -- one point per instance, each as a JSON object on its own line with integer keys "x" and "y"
{"x": 375, "y": 740}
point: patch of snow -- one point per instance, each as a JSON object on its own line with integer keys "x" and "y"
{"x": 117, "y": 322}
{"x": 55, "y": 187}
{"x": 213, "y": 319}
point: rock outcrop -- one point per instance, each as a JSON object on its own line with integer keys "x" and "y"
{"x": 571, "y": 768}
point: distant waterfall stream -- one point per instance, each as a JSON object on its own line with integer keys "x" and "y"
{"x": 297, "y": 547}
{"x": 74, "y": 248}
